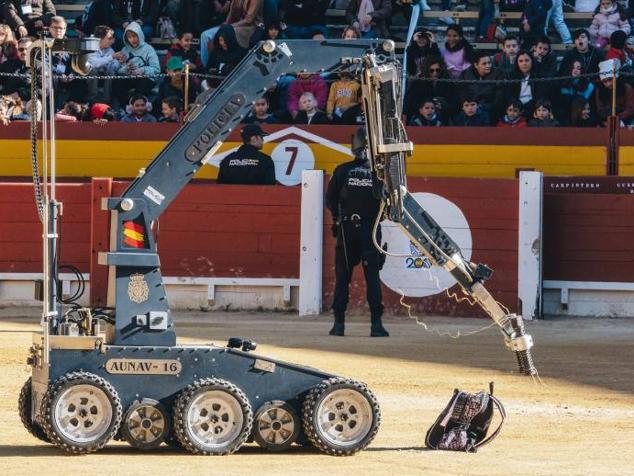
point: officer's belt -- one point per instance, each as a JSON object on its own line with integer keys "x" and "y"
{"x": 355, "y": 217}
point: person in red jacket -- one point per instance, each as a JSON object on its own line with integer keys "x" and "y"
{"x": 513, "y": 116}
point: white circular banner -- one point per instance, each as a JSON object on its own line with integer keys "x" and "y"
{"x": 414, "y": 275}
{"x": 291, "y": 157}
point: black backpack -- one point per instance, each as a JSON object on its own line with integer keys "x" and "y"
{"x": 464, "y": 423}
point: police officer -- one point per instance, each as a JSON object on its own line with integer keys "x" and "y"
{"x": 354, "y": 209}
{"x": 247, "y": 165}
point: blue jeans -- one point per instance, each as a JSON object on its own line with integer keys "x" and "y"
{"x": 305, "y": 32}
{"x": 556, "y": 14}
{"x": 485, "y": 17}
{"x": 205, "y": 37}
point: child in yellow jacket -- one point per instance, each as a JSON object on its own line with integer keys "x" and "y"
{"x": 344, "y": 93}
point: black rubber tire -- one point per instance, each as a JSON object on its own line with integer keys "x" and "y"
{"x": 126, "y": 434}
{"x": 24, "y": 409}
{"x": 50, "y": 399}
{"x": 181, "y": 407}
{"x": 292, "y": 438}
{"x": 309, "y": 418}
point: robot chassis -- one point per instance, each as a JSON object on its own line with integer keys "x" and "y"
{"x": 118, "y": 373}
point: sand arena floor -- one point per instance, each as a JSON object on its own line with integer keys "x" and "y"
{"x": 580, "y": 422}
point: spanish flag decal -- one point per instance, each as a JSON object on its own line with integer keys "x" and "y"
{"x": 133, "y": 235}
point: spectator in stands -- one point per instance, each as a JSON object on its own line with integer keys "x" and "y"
{"x": 556, "y": 17}
{"x": 221, "y": 8}
{"x": 533, "y": 22}
{"x": 306, "y": 83}
{"x": 137, "y": 58}
{"x": 304, "y": 17}
{"x": 259, "y": 113}
{"x": 171, "y": 109}
{"x": 617, "y": 47}
{"x": 183, "y": 49}
{"x": 8, "y": 45}
{"x": 101, "y": 113}
{"x": 513, "y": 116}
{"x": 174, "y": 84}
{"x": 11, "y": 106}
{"x": 471, "y": 114}
{"x": 17, "y": 85}
{"x": 103, "y": 63}
{"x": 351, "y": 33}
{"x": 308, "y": 112}
{"x": 488, "y": 95}
{"x": 102, "y": 60}
{"x": 572, "y": 88}
{"x": 544, "y": 59}
{"x": 247, "y": 165}
{"x": 457, "y": 52}
{"x": 28, "y": 17}
{"x": 370, "y": 17}
{"x": 67, "y": 88}
{"x": 244, "y": 16}
{"x": 581, "y": 114}
{"x": 588, "y": 56}
{"x": 226, "y": 53}
{"x": 143, "y": 13}
{"x": 543, "y": 115}
{"x": 138, "y": 110}
{"x": 433, "y": 70}
{"x": 423, "y": 44}
{"x": 624, "y": 101}
{"x": 269, "y": 31}
{"x": 344, "y": 93}
{"x": 505, "y": 60}
{"x": 527, "y": 91}
{"x": 71, "y": 112}
{"x": 426, "y": 115}
{"x": 486, "y": 15}
{"x": 608, "y": 18}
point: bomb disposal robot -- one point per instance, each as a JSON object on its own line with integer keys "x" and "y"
{"x": 118, "y": 373}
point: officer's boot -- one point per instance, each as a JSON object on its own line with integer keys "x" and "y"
{"x": 377, "y": 329}
{"x": 339, "y": 326}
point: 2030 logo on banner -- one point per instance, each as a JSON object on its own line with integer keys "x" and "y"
{"x": 414, "y": 274}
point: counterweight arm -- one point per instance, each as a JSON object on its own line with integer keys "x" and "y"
{"x": 387, "y": 148}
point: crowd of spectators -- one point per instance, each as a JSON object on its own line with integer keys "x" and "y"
{"x": 525, "y": 84}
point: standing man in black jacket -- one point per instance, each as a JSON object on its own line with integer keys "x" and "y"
{"x": 354, "y": 209}
{"x": 247, "y": 165}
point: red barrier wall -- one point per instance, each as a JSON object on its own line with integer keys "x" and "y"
{"x": 209, "y": 230}
{"x": 21, "y": 230}
{"x": 589, "y": 229}
{"x": 491, "y": 210}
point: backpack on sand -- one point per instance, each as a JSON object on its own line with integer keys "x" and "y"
{"x": 464, "y": 423}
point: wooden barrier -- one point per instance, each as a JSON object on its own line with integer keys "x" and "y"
{"x": 121, "y": 150}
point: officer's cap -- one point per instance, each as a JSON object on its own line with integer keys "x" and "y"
{"x": 251, "y": 130}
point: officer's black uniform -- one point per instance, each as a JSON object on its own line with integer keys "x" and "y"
{"x": 247, "y": 165}
{"x": 354, "y": 209}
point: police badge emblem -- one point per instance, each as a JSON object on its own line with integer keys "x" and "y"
{"x": 138, "y": 290}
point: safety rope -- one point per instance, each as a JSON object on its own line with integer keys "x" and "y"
{"x": 412, "y": 78}
{"x": 35, "y": 166}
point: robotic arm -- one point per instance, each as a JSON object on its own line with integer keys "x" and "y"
{"x": 135, "y": 284}
{"x": 387, "y": 148}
